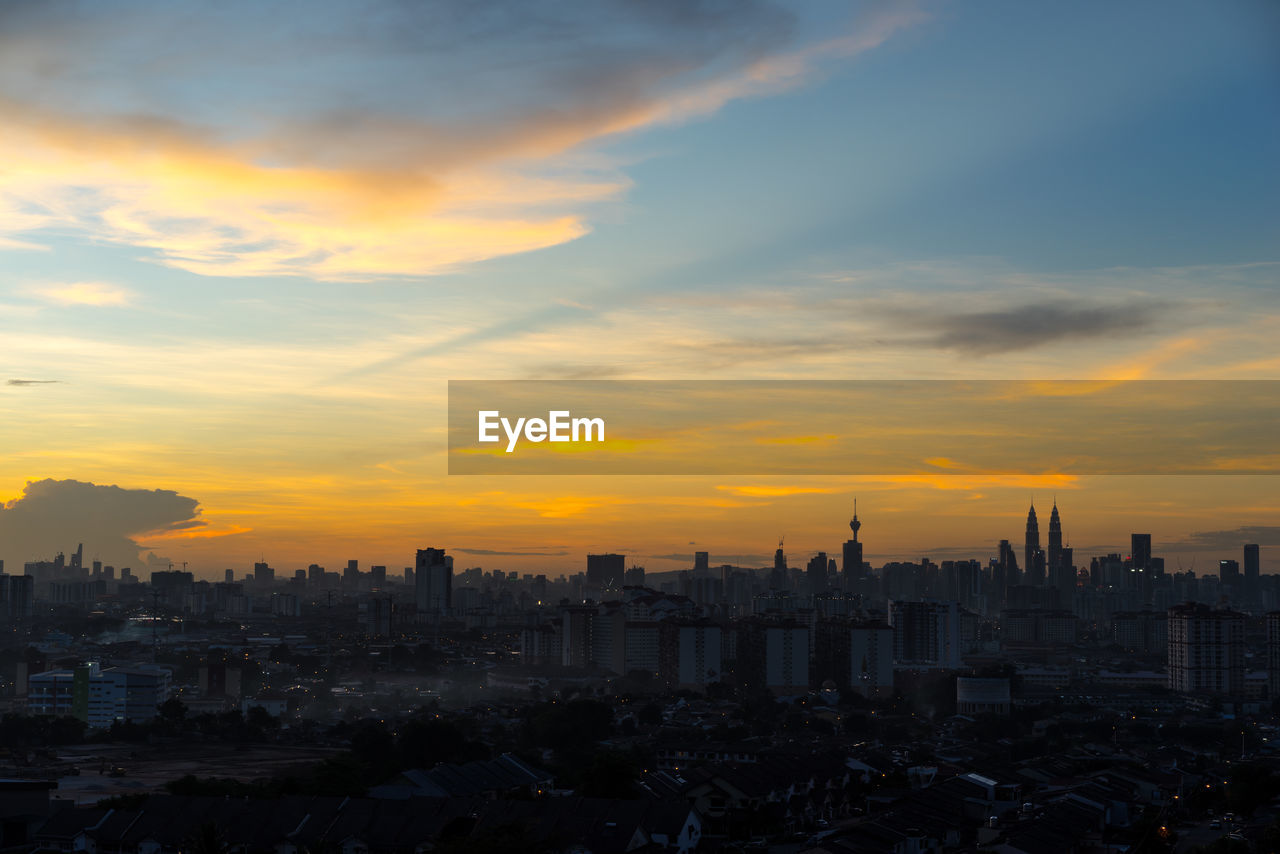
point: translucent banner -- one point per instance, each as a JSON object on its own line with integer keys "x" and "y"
{"x": 839, "y": 427}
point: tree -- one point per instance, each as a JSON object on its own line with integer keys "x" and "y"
{"x": 206, "y": 839}
{"x": 611, "y": 774}
{"x": 173, "y": 712}
{"x": 650, "y": 714}
{"x": 573, "y": 726}
{"x": 423, "y": 744}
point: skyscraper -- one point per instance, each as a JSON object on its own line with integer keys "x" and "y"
{"x": 1252, "y": 569}
{"x": 606, "y": 570}
{"x": 925, "y": 634}
{"x": 816, "y": 573}
{"x": 1140, "y": 551}
{"x": 1008, "y": 565}
{"x": 852, "y": 569}
{"x": 433, "y": 582}
{"x": 263, "y": 575}
{"x": 1055, "y": 538}
{"x": 773, "y": 655}
{"x": 778, "y": 577}
{"x": 1034, "y": 557}
{"x": 856, "y": 654}
{"x": 1206, "y": 650}
{"x": 1229, "y": 575}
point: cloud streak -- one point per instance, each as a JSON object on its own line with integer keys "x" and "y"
{"x": 498, "y": 553}
{"x": 1036, "y": 325}
{"x": 85, "y": 293}
{"x": 1232, "y": 539}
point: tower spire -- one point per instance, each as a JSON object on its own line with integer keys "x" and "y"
{"x": 854, "y": 524}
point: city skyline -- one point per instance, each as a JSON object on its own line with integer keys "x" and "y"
{"x": 1200, "y": 553}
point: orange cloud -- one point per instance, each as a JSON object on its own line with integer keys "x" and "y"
{"x": 264, "y": 207}
{"x": 825, "y": 438}
{"x": 758, "y": 491}
{"x": 217, "y": 211}
{"x": 980, "y": 481}
{"x": 200, "y": 533}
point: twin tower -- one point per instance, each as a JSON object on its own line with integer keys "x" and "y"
{"x": 1042, "y": 566}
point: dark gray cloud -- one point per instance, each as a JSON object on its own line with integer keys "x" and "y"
{"x": 383, "y": 80}
{"x": 30, "y": 382}
{"x": 1229, "y": 541}
{"x": 1032, "y": 325}
{"x": 55, "y": 515}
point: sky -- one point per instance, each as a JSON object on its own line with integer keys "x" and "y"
{"x": 244, "y": 247}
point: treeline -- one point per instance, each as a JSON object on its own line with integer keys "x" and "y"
{"x": 379, "y": 752}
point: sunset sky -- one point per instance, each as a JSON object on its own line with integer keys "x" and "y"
{"x": 245, "y": 246}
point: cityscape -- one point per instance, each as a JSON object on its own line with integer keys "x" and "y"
{"x": 1027, "y": 700}
{"x": 639, "y": 427}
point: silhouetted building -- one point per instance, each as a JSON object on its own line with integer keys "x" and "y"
{"x": 1007, "y": 571}
{"x": 1140, "y": 551}
{"x": 433, "y": 582}
{"x": 773, "y": 654}
{"x": 1055, "y": 541}
{"x": 852, "y": 568}
{"x": 17, "y": 595}
{"x": 378, "y": 616}
{"x": 1206, "y": 650}
{"x": 983, "y": 696}
{"x": 606, "y": 570}
{"x": 925, "y": 634}
{"x": 778, "y": 575}
{"x": 1033, "y": 556}
{"x": 689, "y": 654}
{"x": 816, "y": 573}
{"x": 1273, "y": 655}
{"x": 1229, "y": 574}
{"x": 1141, "y": 631}
{"x": 263, "y": 575}
{"x": 855, "y": 654}
{"x": 1252, "y": 574}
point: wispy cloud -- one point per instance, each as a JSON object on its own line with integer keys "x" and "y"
{"x": 777, "y": 491}
{"x": 366, "y": 177}
{"x": 84, "y": 293}
{"x": 499, "y": 553}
